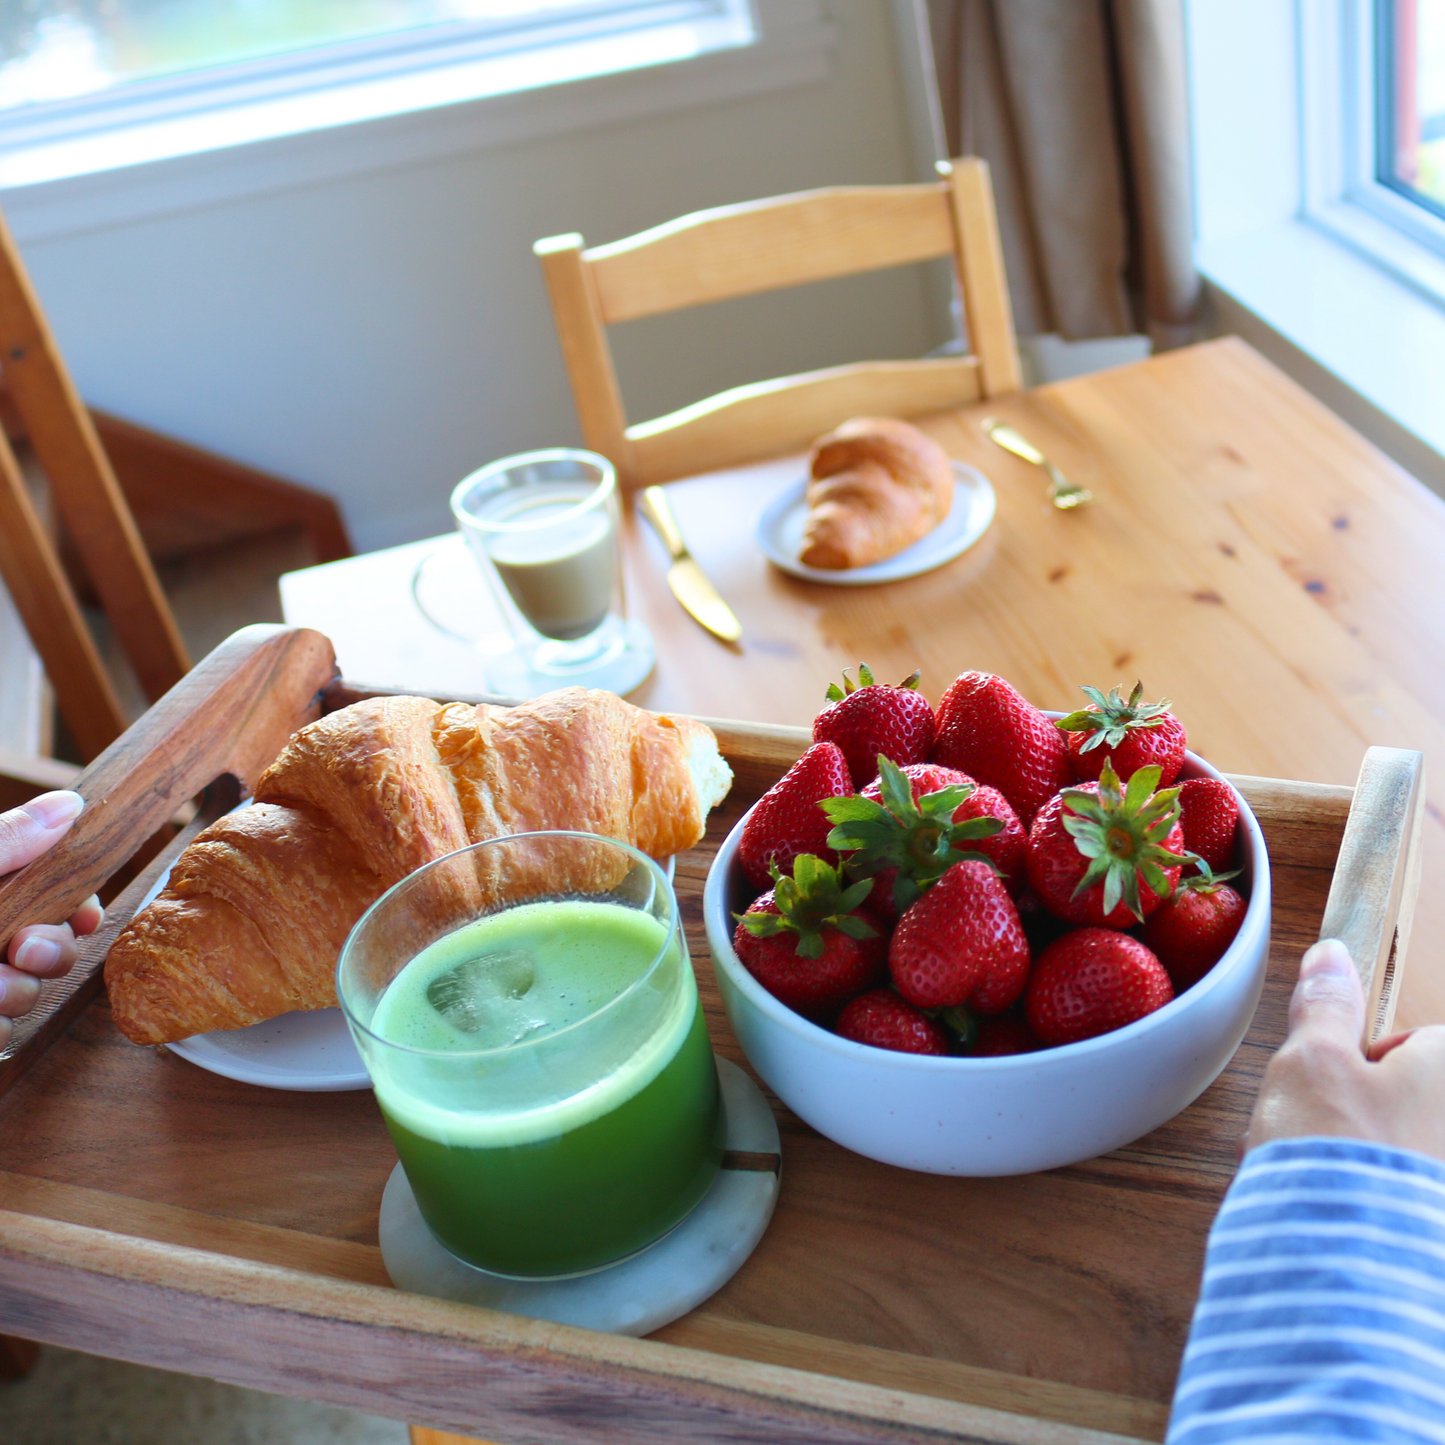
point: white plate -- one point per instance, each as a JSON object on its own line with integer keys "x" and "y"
{"x": 780, "y": 534}
{"x": 311, "y": 1052}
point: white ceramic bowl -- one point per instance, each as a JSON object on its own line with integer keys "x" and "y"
{"x": 1008, "y": 1115}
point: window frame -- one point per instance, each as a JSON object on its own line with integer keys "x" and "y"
{"x": 1339, "y": 137}
{"x": 370, "y": 78}
{"x": 793, "y": 47}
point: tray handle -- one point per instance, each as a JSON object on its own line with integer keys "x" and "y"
{"x": 231, "y": 714}
{"x": 1377, "y": 877}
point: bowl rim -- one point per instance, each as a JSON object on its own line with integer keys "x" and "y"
{"x": 1232, "y": 961}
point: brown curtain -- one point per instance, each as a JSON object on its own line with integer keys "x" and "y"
{"x": 1080, "y": 108}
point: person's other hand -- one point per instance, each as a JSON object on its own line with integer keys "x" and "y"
{"x": 1322, "y": 1082}
{"x": 40, "y": 950}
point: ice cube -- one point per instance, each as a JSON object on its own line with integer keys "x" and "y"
{"x": 485, "y": 996}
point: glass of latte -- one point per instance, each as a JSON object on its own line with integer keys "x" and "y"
{"x": 543, "y": 527}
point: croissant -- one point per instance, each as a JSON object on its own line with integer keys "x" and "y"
{"x": 878, "y": 485}
{"x": 252, "y": 920}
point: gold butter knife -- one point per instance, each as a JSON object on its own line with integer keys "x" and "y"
{"x": 690, "y": 584}
{"x": 1064, "y": 494}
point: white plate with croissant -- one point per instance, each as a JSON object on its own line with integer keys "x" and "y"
{"x": 882, "y": 501}
{"x": 232, "y": 964}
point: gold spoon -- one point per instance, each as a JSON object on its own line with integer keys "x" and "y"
{"x": 1064, "y": 494}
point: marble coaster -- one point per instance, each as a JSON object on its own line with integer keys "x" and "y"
{"x": 640, "y": 1294}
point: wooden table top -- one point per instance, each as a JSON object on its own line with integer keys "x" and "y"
{"x": 1247, "y": 555}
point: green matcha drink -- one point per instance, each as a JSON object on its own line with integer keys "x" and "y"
{"x": 547, "y": 1079}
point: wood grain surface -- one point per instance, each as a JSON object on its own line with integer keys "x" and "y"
{"x": 235, "y": 1230}
{"x": 763, "y": 245}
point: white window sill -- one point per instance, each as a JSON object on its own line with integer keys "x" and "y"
{"x": 1379, "y": 338}
{"x": 62, "y": 186}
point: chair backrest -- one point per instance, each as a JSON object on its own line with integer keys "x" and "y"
{"x": 763, "y": 246}
{"x": 93, "y": 508}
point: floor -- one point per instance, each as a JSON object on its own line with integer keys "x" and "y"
{"x": 76, "y": 1399}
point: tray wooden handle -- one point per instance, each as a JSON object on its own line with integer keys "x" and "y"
{"x": 231, "y": 714}
{"x": 1377, "y": 876}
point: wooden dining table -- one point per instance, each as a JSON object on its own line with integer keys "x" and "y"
{"x": 1247, "y": 555}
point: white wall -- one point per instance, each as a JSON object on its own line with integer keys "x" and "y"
{"x": 378, "y": 335}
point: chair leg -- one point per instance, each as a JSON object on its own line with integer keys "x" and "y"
{"x": 18, "y": 1357}
{"x": 420, "y": 1435}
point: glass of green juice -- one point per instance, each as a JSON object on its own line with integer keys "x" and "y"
{"x": 528, "y": 1014}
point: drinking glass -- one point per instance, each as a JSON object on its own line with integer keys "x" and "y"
{"x": 543, "y": 527}
{"x": 529, "y": 1017}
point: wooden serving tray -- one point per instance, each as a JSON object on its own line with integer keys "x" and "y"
{"x": 157, "y": 1213}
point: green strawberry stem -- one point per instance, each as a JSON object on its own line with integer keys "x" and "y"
{"x": 1206, "y": 880}
{"x": 1121, "y": 832}
{"x": 962, "y": 1025}
{"x": 1112, "y": 719}
{"x": 919, "y": 839}
{"x": 865, "y": 679}
{"x": 814, "y": 898}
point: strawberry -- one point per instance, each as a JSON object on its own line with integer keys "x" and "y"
{"x": 1091, "y": 981}
{"x": 1004, "y": 1034}
{"x": 787, "y": 820}
{"x": 961, "y": 944}
{"x": 1092, "y": 847}
{"x": 915, "y": 835}
{"x": 882, "y": 1019}
{"x": 1191, "y": 931}
{"x": 871, "y": 718}
{"x": 805, "y": 943}
{"x": 987, "y": 730}
{"x": 1005, "y": 848}
{"x": 1129, "y": 735}
{"x": 1209, "y": 813}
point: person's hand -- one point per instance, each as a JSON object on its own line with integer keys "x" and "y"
{"x": 1322, "y": 1082}
{"x": 40, "y": 950}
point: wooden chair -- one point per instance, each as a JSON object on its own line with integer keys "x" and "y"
{"x": 125, "y": 494}
{"x": 88, "y": 498}
{"x": 764, "y": 246}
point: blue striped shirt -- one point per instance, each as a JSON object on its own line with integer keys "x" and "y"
{"x": 1322, "y": 1311}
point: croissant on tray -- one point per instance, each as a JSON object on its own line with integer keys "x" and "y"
{"x": 252, "y": 920}
{"x": 878, "y": 485}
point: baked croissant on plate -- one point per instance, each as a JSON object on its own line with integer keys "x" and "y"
{"x": 255, "y": 912}
{"x": 878, "y": 485}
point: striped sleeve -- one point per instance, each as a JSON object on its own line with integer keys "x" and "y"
{"x": 1322, "y": 1311}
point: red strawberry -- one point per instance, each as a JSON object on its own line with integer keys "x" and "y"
{"x": 986, "y": 729}
{"x": 805, "y": 943}
{"x": 787, "y": 820}
{"x": 1105, "y": 856}
{"x": 882, "y": 1019}
{"x": 1092, "y": 981}
{"x": 1005, "y": 1034}
{"x": 904, "y": 840}
{"x": 1005, "y": 848}
{"x": 1209, "y": 814}
{"x": 1191, "y": 931}
{"x": 961, "y": 944}
{"x": 871, "y": 718}
{"x": 922, "y": 832}
{"x": 1129, "y": 734}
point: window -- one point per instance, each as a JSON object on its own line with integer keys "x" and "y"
{"x": 1410, "y": 113}
{"x": 89, "y": 85}
{"x": 1373, "y": 74}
